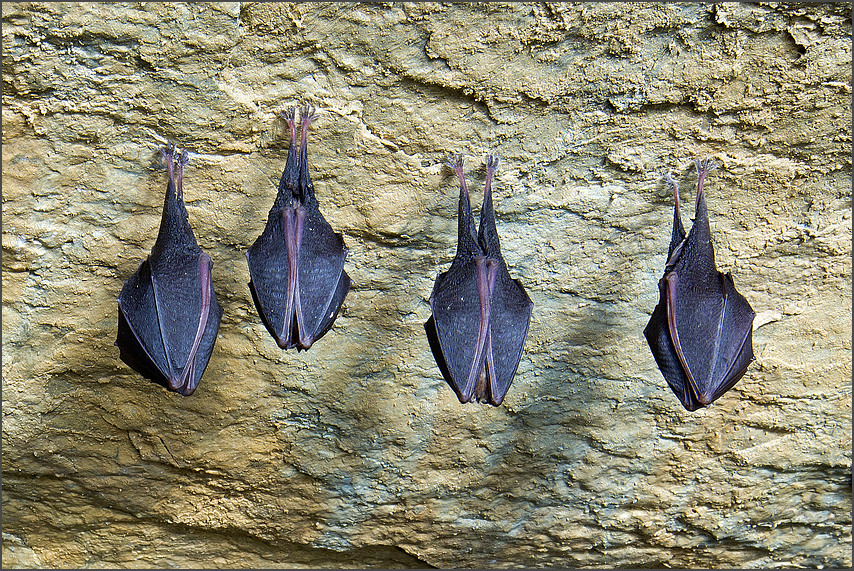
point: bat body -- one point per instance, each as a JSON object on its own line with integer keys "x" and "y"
{"x": 480, "y": 314}
{"x": 168, "y": 312}
{"x": 296, "y": 266}
{"x": 701, "y": 331}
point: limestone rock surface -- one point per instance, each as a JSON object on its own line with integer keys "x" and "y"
{"x": 357, "y": 453}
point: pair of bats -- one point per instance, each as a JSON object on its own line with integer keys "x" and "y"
{"x": 700, "y": 332}
{"x": 168, "y": 313}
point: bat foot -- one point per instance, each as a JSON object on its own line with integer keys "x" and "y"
{"x": 173, "y": 155}
{"x": 671, "y": 181}
{"x": 491, "y": 163}
{"x": 674, "y": 187}
{"x": 290, "y": 117}
{"x": 455, "y": 161}
{"x": 288, "y": 114}
{"x": 308, "y": 113}
{"x": 168, "y": 151}
{"x": 704, "y": 166}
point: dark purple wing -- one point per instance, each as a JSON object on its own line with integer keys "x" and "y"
{"x": 509, "y": 320}
{"x": 657, "y": 335}
{"x": 460, "y": 332}
{"x": 168, "y": 321}
{"x": 270, "y": 279}
{"x": 735, "y": 343}
{"x": 140, "y": 340}
{"x": 322, "y": 282}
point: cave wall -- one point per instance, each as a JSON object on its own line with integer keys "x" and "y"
{"x": 357, "y": 452}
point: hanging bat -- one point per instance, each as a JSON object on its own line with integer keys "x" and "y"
{"x": 296, "y": 266}
{"x": 480, "y": 314}
{"x": 701, "y": 331}
{"x": 168, "y": 313}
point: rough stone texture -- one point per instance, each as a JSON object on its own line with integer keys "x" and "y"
{"x": 357, "y": 452}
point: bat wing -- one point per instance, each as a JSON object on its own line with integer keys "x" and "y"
{"x": 735, "y": 347}
{"x": 508, "y": 322}
{"x": 456, "y": 306}
{"x": 657, "y": 336}
{"x": 169, "y": 319}
{"x": 334, "y": 306}
{"x": 318, "y": 282}
{"x": 323, "y": 284}
{"x": 205, "y": 337}
{"x": 139, "y": 338}
{"x": 269, "y": 279}
{"x": 710, "y": 328}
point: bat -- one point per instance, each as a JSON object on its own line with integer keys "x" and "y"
{"x": 296, "y": 266}
{"x": 480, "y": 314}
{"x": 168, "y": 312}
{"x": 701, "y": 331}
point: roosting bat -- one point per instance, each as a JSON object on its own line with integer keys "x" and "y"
{"x": 701, "y": 331}
{"x": 168, "y": 313}
{"x": 296, "y": 266}
{"x": 480, "y": 314}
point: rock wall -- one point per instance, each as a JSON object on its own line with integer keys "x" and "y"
{"x": 357, "y": 453}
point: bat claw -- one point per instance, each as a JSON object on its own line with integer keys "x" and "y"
{"x": 703, "y": 166}
{"x": 674, "y": 187}
{"x": 455, "y": 160}
{"x": 168, "y": 150}
{"x": 288, "y": 114}
{"x": 308, "y": 112}
{"x": 492, "y": 162}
